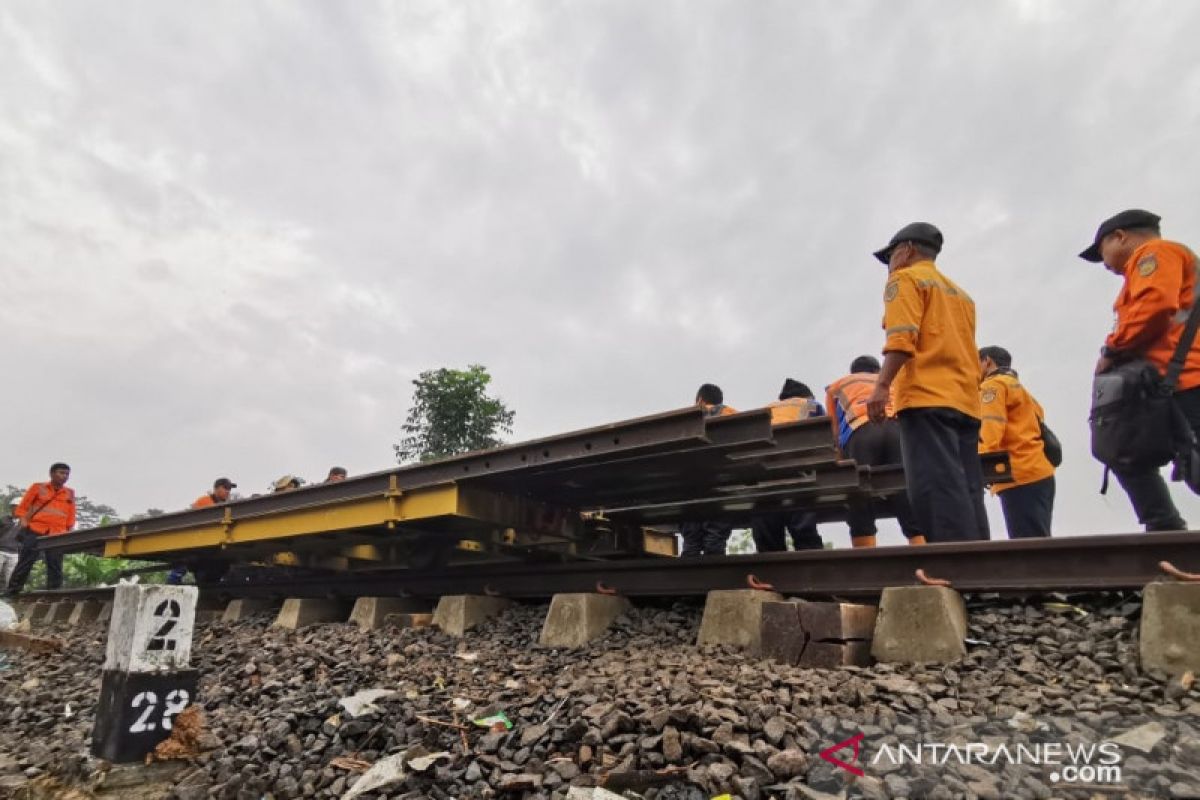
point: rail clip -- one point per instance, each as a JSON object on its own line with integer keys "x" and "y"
{"x": 755, "y": 583}
{"x": 1173, "y": 571}
{"x": 931, "y": 581}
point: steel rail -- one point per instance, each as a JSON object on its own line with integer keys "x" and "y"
{"x": 1064, "y": 564}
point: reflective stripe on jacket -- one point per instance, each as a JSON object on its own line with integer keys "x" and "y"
{"x": 1151, "y": 309}
{"x": 929, "y": 317}
{"x": 793, "y": 409}
{"x": 846, "y": 399}
{"x": 1011, "y": 421}
{"x": 55, "y": 508}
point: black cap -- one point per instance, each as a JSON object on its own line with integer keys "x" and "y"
{"x": 1133, "y": 218}
{"x": 228, "y": 484}
{"x": 919, "y": 232}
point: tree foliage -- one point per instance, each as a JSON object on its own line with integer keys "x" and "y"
{"x": 452, "y": 413}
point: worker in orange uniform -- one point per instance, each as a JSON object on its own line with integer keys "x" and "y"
{"x": 707, "y": 538}
{"x": 222, "y": 487}
{"x": 1012, "y": 421}
{"x": 47, "y": 509}
{"x": 796, "y": 402}
{"x": 873, "y": 444}
{"x": 1151, "y": 309}
{"x": 930, "y": 374}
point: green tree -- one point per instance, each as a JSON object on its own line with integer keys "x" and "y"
{"x": 89, "y": 514}
{"x": 452, "y": 413}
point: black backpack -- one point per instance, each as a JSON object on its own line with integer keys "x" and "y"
{"x": 1135, "y": 421}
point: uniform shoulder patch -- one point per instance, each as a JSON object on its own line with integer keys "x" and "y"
{"x": 1146, "y": 266}
{"x": 989, "y": 395}
{"x": 889, "y": 294}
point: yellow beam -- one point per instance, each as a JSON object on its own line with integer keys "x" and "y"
{"x": 384, "y": 510}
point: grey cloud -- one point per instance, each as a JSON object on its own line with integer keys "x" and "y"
{"x": 606, "y": 203}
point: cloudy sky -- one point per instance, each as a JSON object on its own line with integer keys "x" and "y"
{"x": 231, "y": 234}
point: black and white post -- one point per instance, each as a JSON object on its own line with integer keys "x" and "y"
{"x": 147, "y": 680}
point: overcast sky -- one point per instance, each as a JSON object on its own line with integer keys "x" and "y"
{"x": 231, "y": 234}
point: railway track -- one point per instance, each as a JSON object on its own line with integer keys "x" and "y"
{"x": 1084, "y": 563}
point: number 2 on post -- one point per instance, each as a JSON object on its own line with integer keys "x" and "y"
{"x": 169, "y": 611}
{"x": 143, "y": 723}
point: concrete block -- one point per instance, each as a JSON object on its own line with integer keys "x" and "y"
{"x": 920, "y": 624}
{"x": 298, "y": 612}
{"x": 38, "y": 613}
{"x": 408, "y": 620}
{"x": 840, "y": 621}
{"x": 734, "y": 617}
{"x": 105, "y": 615}
{"x": 151, "y": 628}
{"x": 1170, "y": 629}
{"x": 457, "y": 614}
{"x": 85, "y": 611}
{"x": 781, "y": 637}
{"x": 817, "y": 634}
{"x": 60, "y": 612}
{"x": 576, "y": 619}
{"x": 244, "y": 607}
{"x": 828, "y": 655}
{"x": 369, "y": 612}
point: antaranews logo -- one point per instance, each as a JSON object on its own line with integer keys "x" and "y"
{"x": 853, "y": 742}
{"x": 1067, "y": 763}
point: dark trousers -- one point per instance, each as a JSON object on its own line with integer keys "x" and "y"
{"x": 770, "y": 532}
{"x": 1028, "y": 509}
{"x": 1146, "y": 488}
{"x": 944, "y": 475}
{"x": 705, "y": 538}
{"x": 29, "y": 556}
{"x": 877, "y": 444}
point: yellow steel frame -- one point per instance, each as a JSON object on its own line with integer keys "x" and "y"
{"x": 387, "y": 510}
{"x": 492, "y": 520}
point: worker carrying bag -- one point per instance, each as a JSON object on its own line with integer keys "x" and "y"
{"x": 1135, "y": 421}
{"x": 1051, "y": 446}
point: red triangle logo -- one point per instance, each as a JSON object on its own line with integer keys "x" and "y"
{"x": 854, "y": 741}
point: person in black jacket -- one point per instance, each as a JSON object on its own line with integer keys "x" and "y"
{"x": 10, "y": 543}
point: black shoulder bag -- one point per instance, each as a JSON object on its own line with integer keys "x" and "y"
{"x": 1051, "y": 446}
{"x": 1135, "y": 421}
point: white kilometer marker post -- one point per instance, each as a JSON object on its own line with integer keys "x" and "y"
{"x": 147, "y": 681}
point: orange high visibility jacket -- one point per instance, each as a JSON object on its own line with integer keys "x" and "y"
{"x": 793, "y": 409}
{"x": 928, "y": 316}
{"x": 1152, "y": 307}
{"x": 718, "y": 411}
{"x": 53, "y": 510}
{"x": 1011, "y": 418}
{"x": 204, "y": 501}
{"x": 850, "y": 395}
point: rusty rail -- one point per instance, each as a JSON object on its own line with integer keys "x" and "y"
{"x": 1066, "y": 564}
